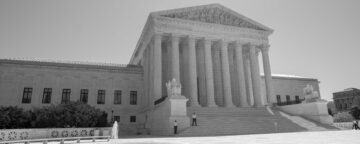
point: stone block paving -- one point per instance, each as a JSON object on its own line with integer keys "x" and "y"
{"x": 319, "y": 137}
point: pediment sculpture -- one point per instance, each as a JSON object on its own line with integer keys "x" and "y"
{"x": 310, "y": 95}
{"x": 173, "y": 88}
{"x": 213, "y": 15}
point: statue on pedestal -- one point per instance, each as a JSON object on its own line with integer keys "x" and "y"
{"x": 310, "y": 94}
{"x": 173, "y": 88}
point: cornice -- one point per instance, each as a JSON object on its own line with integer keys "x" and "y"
{"x": 101, "y": 67}
{"x": 212, "y": 6}
{"x": 188, "y": 27}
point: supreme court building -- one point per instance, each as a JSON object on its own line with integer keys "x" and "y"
{"x": 211, "y": 50}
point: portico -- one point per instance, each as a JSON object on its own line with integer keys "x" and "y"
{"x": 211, "y": 50}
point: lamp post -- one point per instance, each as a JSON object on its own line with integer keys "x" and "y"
{"x": 112, "y": 115}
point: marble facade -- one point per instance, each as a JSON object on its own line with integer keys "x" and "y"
{"x": 211, "y": 50}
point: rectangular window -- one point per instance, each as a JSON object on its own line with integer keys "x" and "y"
{"x": 297, "y": 99}
{"x": 278, "y": 99}
{"x": 47, "y": 95}
{"x": 132, "y": 119}
{"x": 117, "y": 97}
{"x": 101, "y": 97}
{"x": 27, "y": 95}
{"x": 287, "y": 99}
{"x": 65, "y": 96}
{"x": 84, "y": 95}
{"x": 117, "y": 118}
{"x": 133, "y": 97}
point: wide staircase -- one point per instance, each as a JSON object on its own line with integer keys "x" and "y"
{"x": 235, "y": 121}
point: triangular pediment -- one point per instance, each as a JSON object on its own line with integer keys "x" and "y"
{"x": 213, "y": 13}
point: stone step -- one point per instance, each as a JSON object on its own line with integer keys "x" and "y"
{"x": 230, "y": 121}
{"x": 220, "y": 111}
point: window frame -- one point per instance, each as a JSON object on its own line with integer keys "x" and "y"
{"x": 297, "y": 98}
{"x": 132, "y": 119}
{"x": 117, "y": 118}
{"x": 65, "y": 96}
{"x": 84, "y": 95}
{"x": 133, "y": 97}
{"x": 278, "y": 99}
{"x": 101, "y": 96}
{"x": 47, "y": 92}
{"x": 288, "y": 100}
{"x": 117, "y": 97}
{"x": 27, "y": 94}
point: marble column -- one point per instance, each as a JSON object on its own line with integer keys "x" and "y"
{"x": 209, "y": 74}
{"x": 255, "y": 76}
{"x": 248, "y": 81}
{"x": 240, "y": 73}
{"x": 157, "y": 67}
{"x": 175, "y": 65}
{"x": 146, "y": 74}
{"x": 151, "y": 74}
{"x": 267, "y": 72}
{"x": 226, "y": 74}
{"x": 193, "y": 87}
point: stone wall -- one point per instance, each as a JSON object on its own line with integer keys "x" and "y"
{"x": 15, "y": 75}
{"x": 316, "y": 111}
{"x": 286, "y": 85}
{"x": 23, "y": 134}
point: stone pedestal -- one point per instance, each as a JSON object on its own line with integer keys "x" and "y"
{"x": 178, "y": 112}
{"x": 166, "y": 112}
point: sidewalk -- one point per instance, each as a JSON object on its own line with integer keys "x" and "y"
{"x": 318, "y": 137}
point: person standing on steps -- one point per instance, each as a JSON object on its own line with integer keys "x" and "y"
{"x": 175, "y": 127}
{"x": 194, "y": 120}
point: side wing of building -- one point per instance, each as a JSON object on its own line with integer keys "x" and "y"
{"x": 30, "y": 84}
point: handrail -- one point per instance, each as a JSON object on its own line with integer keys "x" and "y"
{"x": 160, "y": 100}
{"x": 55, "y": 139}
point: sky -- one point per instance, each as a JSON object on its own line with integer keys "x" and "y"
{"x": 312, "y": 38}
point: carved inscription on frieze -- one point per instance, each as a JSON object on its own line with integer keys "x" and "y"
{"x": 213, "y": 15}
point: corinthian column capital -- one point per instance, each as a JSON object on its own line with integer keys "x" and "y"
{"x": 265, "y": 48}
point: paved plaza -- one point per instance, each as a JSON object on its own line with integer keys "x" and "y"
{"x": 321, "y": 137}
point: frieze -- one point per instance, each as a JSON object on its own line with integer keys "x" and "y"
{"x": 209, "y": 25}
{"x": 167, "y": 25}
{"x": 213, "y": 15}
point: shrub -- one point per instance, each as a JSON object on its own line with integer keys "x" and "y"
{"x": 343, "y": 117}
{"x": 14, "y": 117}
{"x": 73, "y": 114}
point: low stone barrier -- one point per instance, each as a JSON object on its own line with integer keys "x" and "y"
{"x": 316, "y": 111}
{"x": 43, "y": 133}
{"x": 343, "y": 125}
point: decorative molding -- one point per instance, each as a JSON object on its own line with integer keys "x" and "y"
{"x": 212, "y": 21}
{"x": 200, "y": 29}
{"x": 213, "y": 15}
{"x": 264, "y": 48}
{"x": 75, "y": 66}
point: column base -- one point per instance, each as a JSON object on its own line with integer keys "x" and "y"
{"x": 244, "y": 105}
{"x": 247, "y": 106}
{"x": 259, "y": 106}
{"x": 230, "y": 106}
{"x": 195, "y": 105}
{"x": 212, "y": 105}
